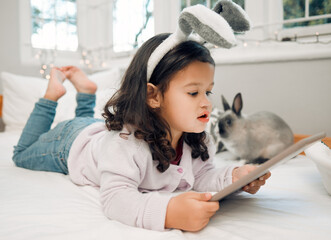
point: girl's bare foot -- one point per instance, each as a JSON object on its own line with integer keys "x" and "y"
{"x": 79, "y": 79}
{"x": 55, "y": 88}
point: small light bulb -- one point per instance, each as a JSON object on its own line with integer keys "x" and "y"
{"x": 276, "y": 35}
{"x": 317, "y": 35}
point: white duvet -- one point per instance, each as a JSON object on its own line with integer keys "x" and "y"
{"x": 43, "y": 205}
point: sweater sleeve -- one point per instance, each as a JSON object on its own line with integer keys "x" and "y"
{"x": 120, "y": 176}
{"x": 207, "y": 177}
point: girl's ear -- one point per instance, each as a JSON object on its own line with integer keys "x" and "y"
{"x": 153, "y": 96}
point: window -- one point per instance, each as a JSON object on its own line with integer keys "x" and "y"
{"x": 303, "y": 10}
{"x": 133, "y": 23}
{"x": 54, "y": 24}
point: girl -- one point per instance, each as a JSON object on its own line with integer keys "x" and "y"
{"x": 151, "y": 144}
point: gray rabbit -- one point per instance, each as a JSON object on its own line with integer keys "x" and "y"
{"x": 256, "y": 137}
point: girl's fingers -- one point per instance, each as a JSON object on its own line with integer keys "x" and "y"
{"x": 251, "y": 190}
{"x": 265, "y": 176}
{"x": 212, "y": 207}
{"x": 254, "y": 186}
{"x": 256, "y": 183}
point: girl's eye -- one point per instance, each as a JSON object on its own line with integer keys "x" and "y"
{"x": 208, "y": 93}
{"x": 193, "y": 93}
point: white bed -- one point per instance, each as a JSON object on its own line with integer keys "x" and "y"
{"x": 43, "y": 205}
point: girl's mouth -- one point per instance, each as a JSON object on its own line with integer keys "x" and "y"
{"x": 204, "y": 117}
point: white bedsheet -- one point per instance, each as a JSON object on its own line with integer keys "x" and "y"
{"x": 43, "y": 205}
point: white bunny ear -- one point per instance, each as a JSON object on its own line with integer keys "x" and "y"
{"x": 233, "y": 14}
{"x": 209, "y": 25}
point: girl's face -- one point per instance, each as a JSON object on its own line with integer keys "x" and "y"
{"x": 185, "y": 104}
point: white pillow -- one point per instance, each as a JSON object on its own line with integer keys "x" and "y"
{"x": 21, "y": 92}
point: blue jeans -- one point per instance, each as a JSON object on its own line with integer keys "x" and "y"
{"x": 44, "y": 149}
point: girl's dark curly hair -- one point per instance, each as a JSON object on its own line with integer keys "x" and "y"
{"x": 129, "y": 104}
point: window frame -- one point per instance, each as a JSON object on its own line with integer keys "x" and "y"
{"x": 55, "y": 19}
{"x": 27, "y": 52}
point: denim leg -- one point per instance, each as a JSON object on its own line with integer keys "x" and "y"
{"x": 85, "y": 105}
{"x": 35, "y": 152}
{"x": 39, "y": 122}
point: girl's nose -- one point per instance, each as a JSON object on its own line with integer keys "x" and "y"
{"x": 205, "y": 102}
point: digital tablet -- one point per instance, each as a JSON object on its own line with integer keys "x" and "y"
{"x": 262, "y": 169}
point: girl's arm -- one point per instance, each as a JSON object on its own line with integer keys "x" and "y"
{"x": 207, "y": 177}
{"x": 121, "y": 172}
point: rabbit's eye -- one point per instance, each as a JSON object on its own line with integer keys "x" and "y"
{"x": 228, "y": 121}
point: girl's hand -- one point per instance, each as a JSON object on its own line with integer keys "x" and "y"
{"x": 190, "y": 211}
{"x": 254, "y": 186}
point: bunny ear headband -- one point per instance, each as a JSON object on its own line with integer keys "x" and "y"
{"x": 202, "y": 24}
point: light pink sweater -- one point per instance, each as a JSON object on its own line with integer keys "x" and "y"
{"x": 132, "y": 190}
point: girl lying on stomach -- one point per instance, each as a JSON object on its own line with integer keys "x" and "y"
{"x": 152, "y": 142}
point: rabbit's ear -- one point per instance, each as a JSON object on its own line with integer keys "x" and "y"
{"x": 226, "y": 106}
{"x": 233, "y": 14}
{"x": 237, "y": 104}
